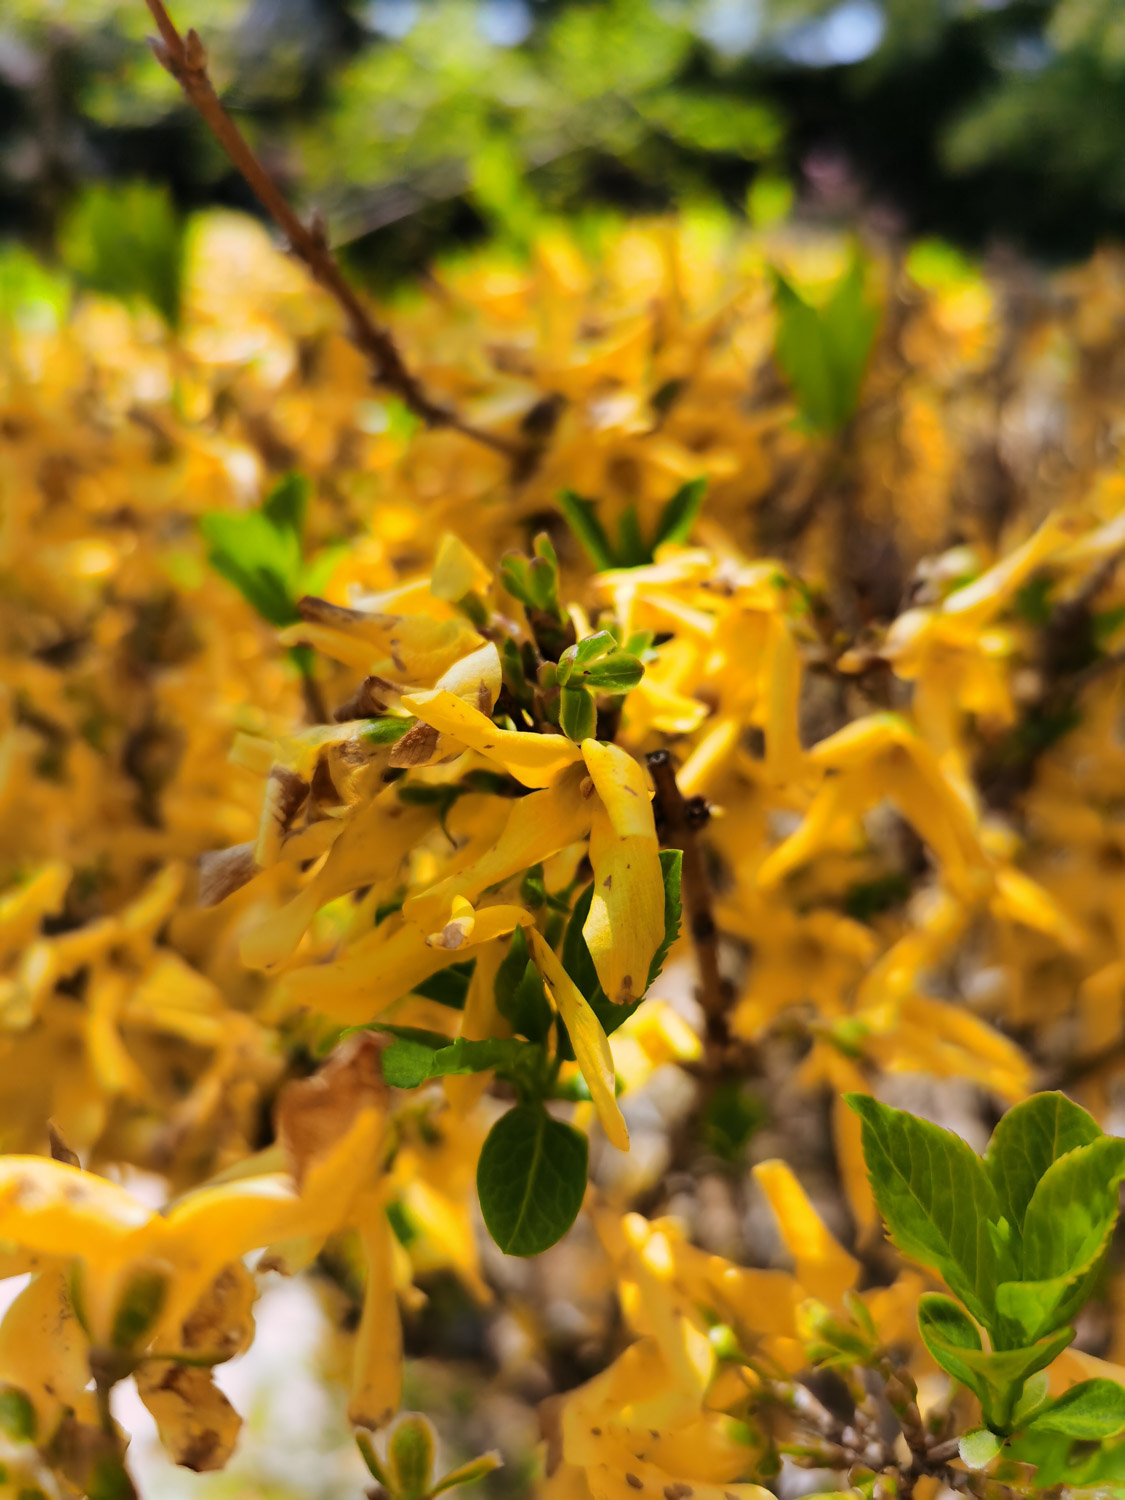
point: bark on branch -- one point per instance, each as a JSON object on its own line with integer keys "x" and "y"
{"x": 681, "y": 819}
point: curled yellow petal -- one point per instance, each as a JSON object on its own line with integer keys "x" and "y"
{"x": 590, "y": 1043}
{"x": 534, "y": 759}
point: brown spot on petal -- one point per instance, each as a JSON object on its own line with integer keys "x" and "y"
{"x": 633, "y": 1482}
{"x": 607, "y": 883}
{"x": 678, "y": 1491}
{"x": 318, "y": 611}
{"x": 416, "y": 747}
{"x": 224, "y": 871}
{"x": 60, "y": 1151}
{"x": 285, "y": 792}
{"x": 367, "y": 701}
{"x": 587, "y": 788}
{"x": 484, "y": 698}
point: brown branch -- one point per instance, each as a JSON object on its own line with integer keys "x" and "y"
{"x": 185, "y": 59}
{"x": 680, "y": 819}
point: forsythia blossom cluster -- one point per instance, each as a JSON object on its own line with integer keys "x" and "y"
{"x": 377, "y": 822}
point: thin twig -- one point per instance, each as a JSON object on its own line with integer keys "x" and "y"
{"x": 679, "y": 827}
{"x": 185, "y": 59}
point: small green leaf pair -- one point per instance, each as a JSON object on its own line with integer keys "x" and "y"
{"x": 407, "y": 1473}
{"x": 591, "y": 666}
{"x": 1018, "y": 1235}
{"x": 534, "y": 580}
{"x": 631, "y": 550}
{"x": 598, "y": 661}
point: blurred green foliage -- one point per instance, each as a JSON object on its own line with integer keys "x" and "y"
{"x": 126, "y": 240}
{"x": 413, "y": 122}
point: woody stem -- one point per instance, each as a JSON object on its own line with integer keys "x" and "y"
{"x": 185, "y": 59}
{"x": 680, "y": 819}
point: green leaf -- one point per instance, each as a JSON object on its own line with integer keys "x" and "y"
{"x": 823, "y": 351}
{"x": 386, "y": 730}
{"x": 260, "y": 551}
{"x": 1035, "y": 1390}
{"x": 31, "y": 296}
{"x": 127, "y": 240}
{"x": 679, "y": 515}
{"x": 1073, "y": 1209}
{"x": 287, "y": 503}
{"x": 246, "y": 551}
{"x": 138, "y": 1308}
{"x": 580, "y": 515}
{"x": 408, "y": 1063}
{"x": 935, "y": 1196}
{"x": 995, "y": 1377}
{"x": 979, "y": 1447}
{"x": 1066, "y": 1231}
{"x": 531, "y": 1179}
{"x": 1092, "y": 1410}
{"x": 671, "y": 866}
{"x": 616, "y": 673}
{"x": 520, "y": 996}
{"x": 599, "y": 663}
{"x": 631, "y": 549}
{"x": 17, "y": 1415}
{"x": 583, "y": 654}
{"x": 1028, "y": 1140}
{"x": 732, "y": 1114}
{"x": 468, "y": 1473}
{"x": 410, "y": 1457}
{"x": 578, "y": 713}
{"x": 1058, "y": 1460}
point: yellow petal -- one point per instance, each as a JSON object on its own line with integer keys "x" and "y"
{"x": 537, "y": 827}
{"x": 823, "y": 1267}
{"x": 457, "y": 570}
{"x": 375, "y": 972}
{"x": 43, "y": 1350}
{"x": 533, "y": 759}
{"x": 368, "y": 851}
{"x": 377, "y": 1372}
{"x": 625, "y": 924}
{"x": 198, "y": 1426}
{"x": 622, "y": 785}
{"x": 476, "y": 678}
{"x": 590, "y": 1043}
{"x": 782, "y": 673}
